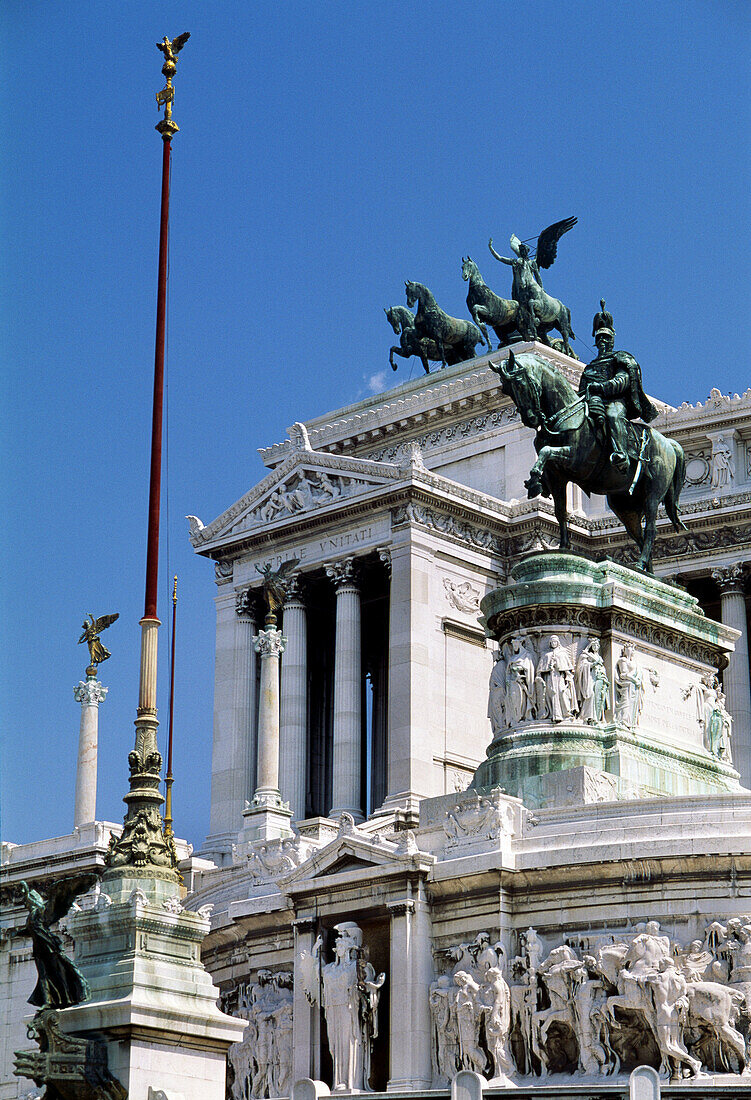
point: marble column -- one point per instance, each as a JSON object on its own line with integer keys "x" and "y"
{"x": 736, "y": 678}
{"x": 267, "y": 817}
{"x": 410, "y": 975}
{"x": 245, "y": 697}
{"x": 347, "y": 692}
{"x": 294, "y": 702}
{"x": 306, "y": 1020}
{"x": 89, "y": 693}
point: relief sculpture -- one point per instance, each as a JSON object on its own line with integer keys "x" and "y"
{"x": 596, "y": 1006}
{"x": 261, "y": 1065}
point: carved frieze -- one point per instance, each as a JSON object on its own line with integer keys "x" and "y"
{"x": 446, "y": 524}
{"x": 462, "y": 595}
{"x": 452, "y": 433}
{"x": 261, "y": 1064}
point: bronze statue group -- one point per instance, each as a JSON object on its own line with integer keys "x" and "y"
{"x": 592, "y": 437}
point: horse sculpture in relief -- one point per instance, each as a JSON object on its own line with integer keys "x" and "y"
{"x": 570, "y": 448}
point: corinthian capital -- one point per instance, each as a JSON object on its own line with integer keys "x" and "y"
{"x": 269, "y": 643}
{"x": 245, "y": 603}
{"x": 90, "y": 691}
{"x": 343, "y": 573}
{"x": 730, "y": 578}
{"x": 295, "y": 591}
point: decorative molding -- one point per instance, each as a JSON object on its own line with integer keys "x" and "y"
{"x": 245, "y": 603}
{"x": 223, "y": 571}
{"x": 446, "y": 524}
{"x": 384, "y": 553}
{"x": 457, "y": 432}
{"x": 464, "y": 632}
{"x": 730, "y": 578}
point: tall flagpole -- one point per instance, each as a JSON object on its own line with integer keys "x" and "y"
{"x": 143, "y": 848}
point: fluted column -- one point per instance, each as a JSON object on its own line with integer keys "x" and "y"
{"x": 267, "y": 817}
{"x": 294, "y": 703}
{"x": 89, "y": 694}
{"x": 347, "y": 692}
{"x": 736, "y": 678}
{"x": 245, "y": 697}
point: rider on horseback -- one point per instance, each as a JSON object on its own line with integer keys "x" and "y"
{"x": 613, "y": 388}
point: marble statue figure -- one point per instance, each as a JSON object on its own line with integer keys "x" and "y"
{"x": 520, "y": 678}
{"x": 592, "y": 683}
{"x": 349, "y": 992}
{"x": 629, "y": 688}
{"x": 557, "y": 673}
{"x": 723, "y": 464}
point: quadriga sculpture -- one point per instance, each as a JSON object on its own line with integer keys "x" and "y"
{"x": 433, "y": 323}
{"x": 538, "y": 312}
{"x": 486, "y": 307}
{"x": 571, "y": 447}
{"x": 402, "y": 321}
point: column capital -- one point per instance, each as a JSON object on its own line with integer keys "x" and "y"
{"x": 401, "y": 908}
{"x": 269, "y": 643}
{"x": 245, "y": 603}
{"x": 295, "y": 590}
{"x": 730, "y": 578}
{"x": 384, "y": 553}
{"x": 90, "y": 691}
{"x": 343, "y": 573}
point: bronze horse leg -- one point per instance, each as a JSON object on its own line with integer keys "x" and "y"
{"x": 556, "y": 480}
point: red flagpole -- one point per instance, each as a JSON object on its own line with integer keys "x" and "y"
{"x": 155, "y": 483}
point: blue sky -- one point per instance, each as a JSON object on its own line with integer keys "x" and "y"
{"x": 327, "y": 153}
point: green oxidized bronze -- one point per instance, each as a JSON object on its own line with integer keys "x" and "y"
{"x": 589, "y": 439}
{"x": 487, "y": 308}
{"x": 538, "y": 311}
{"x": 450, "y": 334}
{"x": 402, "y": 321}
{"x": 59, "y": 981}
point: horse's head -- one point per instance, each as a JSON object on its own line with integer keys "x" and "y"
{"x": 393, "y": 319}
{"x": 519, "y": 382}
{"x": 413, "y": 293}
{"x": 469, "y": 268}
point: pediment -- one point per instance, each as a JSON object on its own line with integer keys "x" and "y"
{"x": 352, "y": 851}
{"x": 307, "y": 480}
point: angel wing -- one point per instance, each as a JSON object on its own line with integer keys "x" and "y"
{"x": 62, "y": 894}
{"x": 310, "y": 976}
{"x": 286, "y": 567}
{"x": 179, "y": 42}
{"x": 547, "y": 242}
{"x": 104, "y": 621}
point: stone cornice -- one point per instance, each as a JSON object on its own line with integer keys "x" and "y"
{"x": 425, "y": 402}
{"x": 718, "y": 411}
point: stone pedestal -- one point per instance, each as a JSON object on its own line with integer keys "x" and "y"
{"x": 645, "y": 724}
{"x": 151, "y": 998}
{"x": 89, "y": 693}
{"x": 267, "y": 817}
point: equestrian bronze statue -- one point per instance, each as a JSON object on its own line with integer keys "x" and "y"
{"x": 538, "y": 311}
{"x": 591, "y": 439}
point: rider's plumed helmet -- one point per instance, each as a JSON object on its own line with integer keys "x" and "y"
{"x": 603, "y": 321}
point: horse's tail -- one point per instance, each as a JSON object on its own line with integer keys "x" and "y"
{"x": 674, "y": 491}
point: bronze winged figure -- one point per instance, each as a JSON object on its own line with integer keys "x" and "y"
{"x": 91, "y": 632}
{"x": 275, "y": 585}
{"x": 172, "y": 49}
{"x": 59, "y": 981}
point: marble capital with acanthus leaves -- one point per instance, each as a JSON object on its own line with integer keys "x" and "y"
{"x": 730, "y": 578}
{"x": 343, "y": 573}
{"x": 90, "y": 691}
{"x": 269, "y": 643}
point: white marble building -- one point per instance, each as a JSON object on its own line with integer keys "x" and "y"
{"x": 405, "y": 510}
{"x": 501, "y": 934}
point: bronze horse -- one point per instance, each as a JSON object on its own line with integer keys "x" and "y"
{"x": 569, "y": 449}
{"x": 433, "y": 323}
{"x": 485, "y": 306}
{"x": 402, "y": 321}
